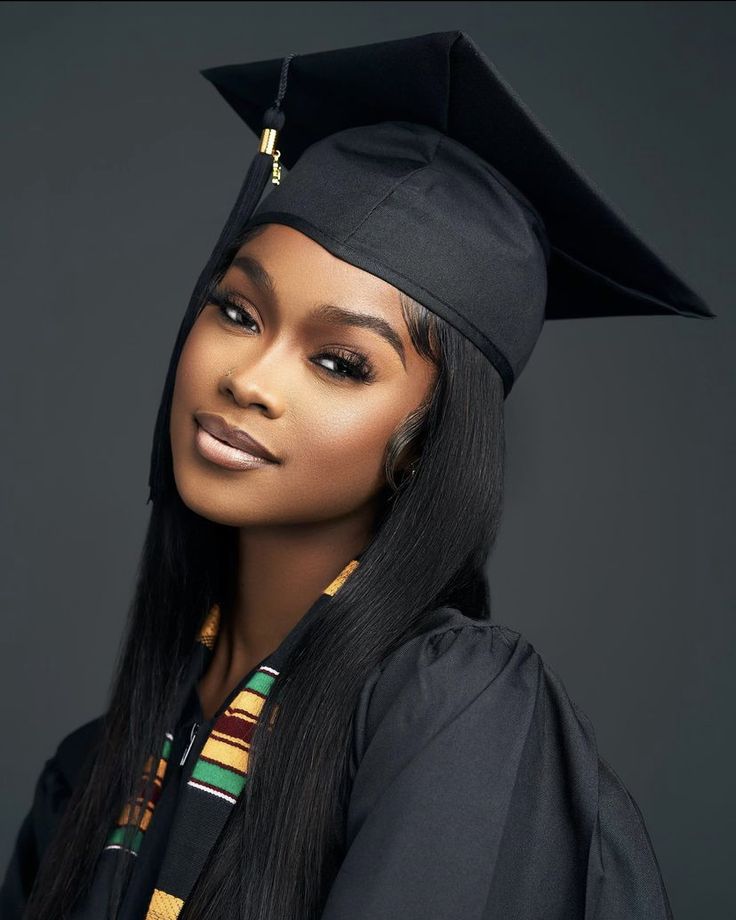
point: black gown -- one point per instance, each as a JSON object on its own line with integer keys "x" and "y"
{"x": 477, "y": 793}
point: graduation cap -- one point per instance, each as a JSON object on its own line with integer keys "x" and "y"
{"x": 414, "y": 160}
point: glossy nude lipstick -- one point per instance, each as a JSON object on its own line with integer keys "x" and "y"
{"x": 229, "y": 446}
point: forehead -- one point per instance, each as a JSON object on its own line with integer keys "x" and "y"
{"x": 291, "y": 257}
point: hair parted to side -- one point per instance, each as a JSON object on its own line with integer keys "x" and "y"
{"x": 279, "y": 851}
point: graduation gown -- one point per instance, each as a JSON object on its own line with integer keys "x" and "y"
{"x": 477, "y": 792}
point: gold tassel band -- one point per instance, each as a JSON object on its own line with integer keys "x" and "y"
{"x": 268, "y": 140}
{"x": 269, "y": 136}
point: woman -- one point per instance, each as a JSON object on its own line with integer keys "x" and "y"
{"x": 313, "y": 714}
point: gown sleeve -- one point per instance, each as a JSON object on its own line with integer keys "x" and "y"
{"x": 52, "y": 792}
{"x": 477, "y": 793}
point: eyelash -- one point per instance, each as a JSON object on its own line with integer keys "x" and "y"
{"x": 359, "y": 368}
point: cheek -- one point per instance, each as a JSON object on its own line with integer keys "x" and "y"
{"x": 196, "y": 364}
{"x": 194, "y": 385}
{"x": 343, "y": 445}
{"x": 205, "y": 356}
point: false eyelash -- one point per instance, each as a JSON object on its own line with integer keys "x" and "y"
{"x": 358, "y": 365}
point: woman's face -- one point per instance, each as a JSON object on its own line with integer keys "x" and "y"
{"x": 322, "y": 394}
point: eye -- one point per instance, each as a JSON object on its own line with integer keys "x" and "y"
{"x": 355, "y": 364}
{"x": 349, "y": 365}
{"x": 228, "y": 309}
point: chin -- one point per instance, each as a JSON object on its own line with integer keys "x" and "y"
{"x": 221, "y": 501}
{"x": 205, "y": 503}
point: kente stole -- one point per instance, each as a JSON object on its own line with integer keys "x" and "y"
{"x": 219, "y": 772}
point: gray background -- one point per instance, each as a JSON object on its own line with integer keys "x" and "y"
{"x": 119, "y": 166}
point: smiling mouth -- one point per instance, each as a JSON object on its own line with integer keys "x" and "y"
{"x": 225, "y": 455}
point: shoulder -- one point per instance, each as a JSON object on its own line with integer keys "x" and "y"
{"x": 457, "y": 669}
{"x": 54, "y": 785}
{"x": 467, "y": 726}
{"x": 468, "y": 717}
{"x": 484, "y": 689}
{"x": 60, "y": 774}
{"x": 453, "y": 647}
{"x": 73, "y": 749}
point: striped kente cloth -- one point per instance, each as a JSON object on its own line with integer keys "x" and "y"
{"x": 217, "y": 764}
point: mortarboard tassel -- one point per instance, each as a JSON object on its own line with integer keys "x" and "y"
{"x": 264, "y": 164}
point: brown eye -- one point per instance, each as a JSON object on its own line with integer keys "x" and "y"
{"x": 353, "y": 365}
{"x": 228, "y": 309}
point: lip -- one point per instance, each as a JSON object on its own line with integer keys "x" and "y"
{"x": 221, "y": 429}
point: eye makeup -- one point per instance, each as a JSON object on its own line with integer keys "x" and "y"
{"x": 348, "y": 365}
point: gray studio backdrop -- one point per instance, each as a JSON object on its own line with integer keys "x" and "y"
{"x": 119, "y": 166}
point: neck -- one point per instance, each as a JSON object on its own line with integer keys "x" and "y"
{"x": 281, "y": 573}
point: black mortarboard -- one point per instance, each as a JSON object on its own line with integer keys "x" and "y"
{"x": 414, "y": 160}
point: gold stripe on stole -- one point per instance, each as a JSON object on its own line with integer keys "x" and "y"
{"x": 164, "y": 906}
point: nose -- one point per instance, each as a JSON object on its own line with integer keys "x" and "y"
{"x": 254, "y": 384}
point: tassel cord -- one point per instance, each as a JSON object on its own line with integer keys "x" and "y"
{"x": 261, "y": 167}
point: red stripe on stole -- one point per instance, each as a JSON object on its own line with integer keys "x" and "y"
{"x": 233, "y": 727}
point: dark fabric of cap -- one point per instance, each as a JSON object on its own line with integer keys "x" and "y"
{"x": 414, "y": 160}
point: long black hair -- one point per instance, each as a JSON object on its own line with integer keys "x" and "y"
{"x": 283, "y": 841}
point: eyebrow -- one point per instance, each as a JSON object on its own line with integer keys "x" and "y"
{"x": 325, "y": 312}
